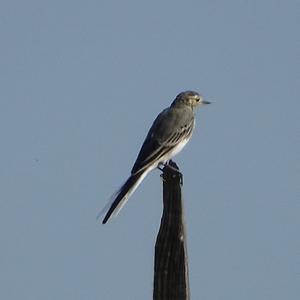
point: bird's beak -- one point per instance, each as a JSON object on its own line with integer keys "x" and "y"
{"x": 205, "y": 102}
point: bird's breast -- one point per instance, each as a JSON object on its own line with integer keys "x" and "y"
{"x": 174, "y": 151}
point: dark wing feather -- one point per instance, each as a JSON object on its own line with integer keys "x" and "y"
{"x": 169, "y": 129}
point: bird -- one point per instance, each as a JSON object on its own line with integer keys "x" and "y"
{"x": 169, "y": 133}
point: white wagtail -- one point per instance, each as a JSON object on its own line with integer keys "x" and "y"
{"x": 168, "y": 134}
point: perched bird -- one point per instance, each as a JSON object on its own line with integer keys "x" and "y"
{"x": 168, "y": 134}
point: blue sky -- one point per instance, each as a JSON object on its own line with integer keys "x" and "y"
{"x": 81, "y": 83}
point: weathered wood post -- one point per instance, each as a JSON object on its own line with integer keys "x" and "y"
{"x": 171, "y": 279}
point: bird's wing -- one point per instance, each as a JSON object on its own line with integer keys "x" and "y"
{"x": 171, "y": 127}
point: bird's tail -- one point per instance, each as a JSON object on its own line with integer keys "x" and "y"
{"x": 120, "y": 197}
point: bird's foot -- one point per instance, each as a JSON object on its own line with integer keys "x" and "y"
{"x": 161, "y": 167}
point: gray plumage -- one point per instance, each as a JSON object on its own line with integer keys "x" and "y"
{"x": 168, "y": 134}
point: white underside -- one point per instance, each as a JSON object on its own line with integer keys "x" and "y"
{"x": 174, "y": 152}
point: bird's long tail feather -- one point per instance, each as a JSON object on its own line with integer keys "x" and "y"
{"x": 120, "y": 197}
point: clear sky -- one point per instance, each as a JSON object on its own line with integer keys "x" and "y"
{"x": 81, "y": 83}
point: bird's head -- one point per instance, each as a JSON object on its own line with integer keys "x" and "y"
{"x": 190, "y": 98}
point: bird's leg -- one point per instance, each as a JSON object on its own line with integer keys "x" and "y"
{"x": 160, "y": 167}
{"x": 167, "y": 165}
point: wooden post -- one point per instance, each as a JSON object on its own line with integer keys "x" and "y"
{"x": 171, "y": 280}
